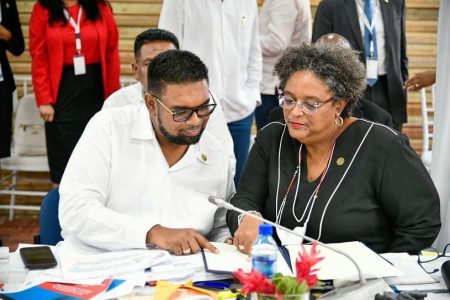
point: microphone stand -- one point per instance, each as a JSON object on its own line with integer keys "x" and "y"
{"x": 355, "y": 291}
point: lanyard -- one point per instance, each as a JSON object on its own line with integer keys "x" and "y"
{"x": 370, "y": 26}
{"x": 76, "y": 26}
{"x": 315, "y": 193}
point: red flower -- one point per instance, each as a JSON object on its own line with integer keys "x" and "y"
{"x": 304, "y": 266}
{"x": 255, "y": 282}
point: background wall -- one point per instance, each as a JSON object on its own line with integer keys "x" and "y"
{"x": 134, "y": 16}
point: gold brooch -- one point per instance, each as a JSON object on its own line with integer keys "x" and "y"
{"x": 204, "y": 157}
{"x": 340, "y": 161}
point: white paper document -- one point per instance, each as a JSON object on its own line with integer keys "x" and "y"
{"x": 408, "y": 265}
{"x": 81, "y": 266}
{"x": 230, "y": 260}
{"x": 337, "y": 266}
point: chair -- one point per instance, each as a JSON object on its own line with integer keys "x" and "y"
{"x": 28, "y": 153}
{"x": 427, "y": 110}
{"x": 50, "y": 229}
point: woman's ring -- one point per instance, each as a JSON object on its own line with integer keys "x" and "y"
{"x": 187, "y": 251}
{"x": 417, "y": 85}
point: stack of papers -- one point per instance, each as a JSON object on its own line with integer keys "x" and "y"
{"x": 337, "y": 266}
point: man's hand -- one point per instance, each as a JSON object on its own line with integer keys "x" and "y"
{"x": 246, "y": 234}
{"x": 178, "y": 241}
{"x": 47, "y": 112}
{"x": 420, "y": 80}
{"x": 5, "y": 34}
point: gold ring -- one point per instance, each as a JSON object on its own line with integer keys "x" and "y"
{"x": 241, "y": 247}
{"x": 417, "y": 85}
{"x": 187, "y": 251}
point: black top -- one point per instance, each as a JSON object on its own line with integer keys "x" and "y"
{"x": 10, "y": 20}
{"x": 385, "y": 200}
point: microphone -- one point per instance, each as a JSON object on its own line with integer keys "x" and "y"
{"x": 362, "y": 290}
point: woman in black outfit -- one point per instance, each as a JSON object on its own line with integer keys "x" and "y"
{"x": 328, "y": 174}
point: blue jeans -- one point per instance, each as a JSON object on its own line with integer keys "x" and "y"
{"x": 240, "y": 132}
{"x": 262, "y": 112}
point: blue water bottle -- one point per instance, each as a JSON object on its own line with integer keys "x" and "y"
{"x": 265, "y": 252}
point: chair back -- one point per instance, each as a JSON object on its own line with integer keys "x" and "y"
{"x": 427, "y": 110}
{"x": 50, "y": 229}
{"x": 29, "y": 129}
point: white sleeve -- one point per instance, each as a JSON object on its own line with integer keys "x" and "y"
{"x": 220, "y": 231}
{"x": 254, "y": 67}
{"x": 84, "y": 193}
{"x": 280, "y": 24}
{"x": 172, "y": 18}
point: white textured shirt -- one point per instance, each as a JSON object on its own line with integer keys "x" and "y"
{"x": 282, "y": 23}
{"x": 379, "y": 28}
{"x": 217, "y": 126}
{"x": 118, "y": 185}
{"x": 225, "y": 35}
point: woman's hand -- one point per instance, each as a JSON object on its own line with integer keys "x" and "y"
{"x": 246, "y": 234}
{"x": 5, "y": 34}
{"x": 420, "y": 80}
{"x": 47, "y": 112}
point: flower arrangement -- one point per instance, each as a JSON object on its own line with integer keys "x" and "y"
{"x": 282, "y": 285}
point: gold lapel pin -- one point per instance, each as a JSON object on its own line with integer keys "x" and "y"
{"x": 340, "y": 161}
{"x": 204, "y": 157}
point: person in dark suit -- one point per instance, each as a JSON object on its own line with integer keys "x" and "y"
{"x": 349, "y": 18}
{"x": 11, "y": 39}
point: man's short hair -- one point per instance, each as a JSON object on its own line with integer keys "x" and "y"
{"x": 174, "y": 67}
{"x": 151, "y": 35}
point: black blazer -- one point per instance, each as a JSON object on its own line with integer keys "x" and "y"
{"x": 341, "y": 17}
{"x": 10, "y": 20}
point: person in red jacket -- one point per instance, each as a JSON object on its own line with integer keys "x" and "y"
{"x": 75, "y": 66}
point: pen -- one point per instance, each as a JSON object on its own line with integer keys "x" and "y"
{"x": 214, "y": 284}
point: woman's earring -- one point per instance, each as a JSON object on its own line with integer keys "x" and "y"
{"x": 339, "y": 121}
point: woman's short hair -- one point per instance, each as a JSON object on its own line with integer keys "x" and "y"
{"x": 337, "y": 66}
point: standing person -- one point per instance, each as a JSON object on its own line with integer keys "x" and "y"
{"x": 376, "y": 29}
{"x": 75, "y": 66}
{"x": 282, "y": 23}
{"x": 11, "y": 39}
{"x": 225, "y": 35}
{"x": 147, "y": 45}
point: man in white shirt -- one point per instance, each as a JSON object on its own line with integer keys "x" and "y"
{"x": 225, "y": 35}
{"x": 147, "y": 45}
{"x": 282, "y": 23}
{"x": 141, "y": 175}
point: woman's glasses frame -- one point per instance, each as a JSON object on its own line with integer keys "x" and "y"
{"x": 306, "y": 106}
{"x": 434, "y": 255}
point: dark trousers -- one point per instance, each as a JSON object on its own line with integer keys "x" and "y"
{"x": 6, "y": 110}
{"x": 379, "y": 94}
{"x": 262, "y": 112}
{"x": 240, "y": 132}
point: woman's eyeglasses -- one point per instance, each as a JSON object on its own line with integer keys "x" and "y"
{"x": 306, "y": 106}
{"x": 430, "y": 254}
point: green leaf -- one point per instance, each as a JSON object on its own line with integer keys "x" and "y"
{"x": 288, "y": 285}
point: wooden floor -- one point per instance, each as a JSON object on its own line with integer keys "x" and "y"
{"x": 19, "y": 230}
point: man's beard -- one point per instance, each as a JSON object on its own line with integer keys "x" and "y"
{"x": 180, "y": 139}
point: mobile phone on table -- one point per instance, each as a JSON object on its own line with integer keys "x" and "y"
{"x": 40, "y": 257}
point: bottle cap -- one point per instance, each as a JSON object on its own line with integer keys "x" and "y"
{"x": 265, "y": 229}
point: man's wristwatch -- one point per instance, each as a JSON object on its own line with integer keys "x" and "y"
{"x": 253, "y": 212}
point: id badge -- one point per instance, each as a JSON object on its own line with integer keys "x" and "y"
{"x": 79, "y": 65}
{"x": 287, "y": 238}
{"x": 372, "y": 68}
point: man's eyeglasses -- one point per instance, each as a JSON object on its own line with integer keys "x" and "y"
{"x": 430, "y": 254}
{"x": 306, "y": 106}
{"x": 183, "y": 115}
